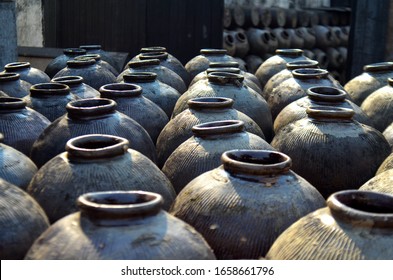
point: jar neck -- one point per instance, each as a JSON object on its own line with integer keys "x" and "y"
{"x": 143, "y": 63}
{"x": 329, "y": 114}
{"x": 213, "y": 52}
{"x": 11, "y": 104}
{"x": 92, "y": 108}
{"x": 74, "y": 51}
{"x": 153, "y": 49}
{"x": 154, "y": 55}
{"x": 140, "y": 77}
{"x": 289, "y": 52}
{"x": 119, "y": 208}
{"x": 94, "y": 56}
{"x": 362, "y": 208}
{"x": 17, "y": 66}
{"x": 226, "y": 70}
{"x": 91, "y": 47}
{"x": 212, "y": 129}
{"x": 45, "y": 90}
{"x": 96, "y": 146}
{"x": 223, "y": 78}
{"x": 71, "y": 81}
{"x": 120, "y": 90}
{"x": 326, "y": 94}
{"x": 210, "y": 103}
{"x": 380, "y": 67}
{"x": 224, "y": 64}
{"x": 9, "y": 77}
{"x": 251, "y": 163}
{"x": 81, "y": 63}
{"x": 302, "y": 64}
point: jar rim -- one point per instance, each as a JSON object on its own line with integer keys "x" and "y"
{"x": 210, "y": 103}
{"x": 217, "y": 128}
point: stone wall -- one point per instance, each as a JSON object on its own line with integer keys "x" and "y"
{"x": 29, "y": 23}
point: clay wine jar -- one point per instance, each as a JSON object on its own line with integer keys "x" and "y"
{"x": 318, "y": 96}
{"x": 164, "y": 74}
{"x": 331, "y": 150}
{"x": 282, "y": 36}
{"x": 20, "y": 125}
{"x": 99, "y": 62}
{"x": 60, "y": 61}
{"x": 242, "y": 206}
{"x": 77, "y": 86}
{"x": 27, "y": 73}
{"x": 285, "y": 74}
{"x": 93, "y": 74}
{"x": 242, "y": 46}
{"x": 388, "y": 133}
{"x": 15, "y": 167}
{"x": 253, "y": 62}
{"x": 119, "y": 225}
{"x": 201, "y": 62}
{"x": 246, "y": 100}
{"x": 296, "y": 87}
{"x": 95, "y": 162}
{"x": 203, "y": 150}
{"x": 130, "y": 102}
{"x": 97, "y": 49}
{"x": 382, "y": 182}
{"x": 49, "y": 99}
{"x": 386, "y": 164}
{"x": 160, "y": 93}
{"x": 259, "y": 41}
{"x": 379, "y": 106}
{"x": 200, "y": 110}
{"x": 228, "y": 42}
{"x": 374, "y": 76}
{"x": 355, "y": 225}
{"x": 13, "y": 85}
{"x": 90, "y": 116}
{"x": 276, "y": 63}
{"x": 22, "y": 220}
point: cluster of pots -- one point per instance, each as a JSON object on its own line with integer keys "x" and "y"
{"x": 162, "y": 160}
{"x": 257, "y": 31}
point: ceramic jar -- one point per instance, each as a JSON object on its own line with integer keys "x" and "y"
{"x": 246, "y": 100}
{"x": 276, "y": 63}
{"x": 60, "y": 61}
{"x": 160, "y": 93}
{"x": 296, "y": 87}
{"x": 22, "y": 220}
{"x": 203, "y": 150}
{"x": 90, "y": 116}
{"x": 388, "y": 133}
{"x": 201, "y": 62}
{"x": 95, "y": 162}
{"x": 13, "y": 86}
{"x": 132, "y": 103}
{"x": 318, "y": 96}
{"x": 242, "y": 206}
{"x": 355, "y": 225}
{"x": 259, "y": 40}
{"x": 49, "y": 99}
{"x": 382, "y": 182}
{"x": 93, "y": 74}
{"x": 164, "y": 74}
{"x": 374, "y": 76}
{"x": 99, "y": 62}
{"x": 200, "y": 110}
{"x": 331, "y": 150}
{"x": 386, "y": 164}
{"x": 282, "y": 36}
{"x": 15, "y": 167}
{"x": 127, "y": 224}
{"x": 106, "y": 56}
{"x": 27, "y": 73}
{"x": 77, "y": 86}
{"x": 21, "y": 125}
{"x": 378, "y": 106}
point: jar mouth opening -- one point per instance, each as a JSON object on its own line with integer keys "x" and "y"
{"x": 229, "y": 39}
{"x": 142, "y": 63}
{"x": 153, "y": 49}
{"x": 213, "y": 51}
{"x": 120, "y": 89}
{"x": 365, "y": 205}
{"x": 113, "y": 199}
{"x": 12, "y": 103}
{"x": 49, "y": 89}
{"x": 293, "y": 65}
{"x": 218, "y": 127}
{"x": 17, "y": 65}
{"x": 225, "y": 78}
{"x": 139, "y": 76}
{"x": 378, "y": 67}
{"x": 9, "y": 76}
{"x": 289, "y": 52}
{"x": 241, "y": 36}
{"x": 326, "y": 93}
{"x": 224, "y": 64}
{"x": 309, "y": 73}
{"x": 91, "y": 103}
{"x": 210, "y": 102}
{"x": 223, "y": 69}
{"x": 154, "y": 55}
{"x": 68, "y": 80}
{"x": 88, "y": 56}
{"x": 74, "y": 51}
{"x": 75, "y": 63}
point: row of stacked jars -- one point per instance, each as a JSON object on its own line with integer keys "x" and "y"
{"x": 183, "y": 163}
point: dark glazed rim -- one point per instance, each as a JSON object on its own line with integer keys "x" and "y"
{"x": 140, "y": 77}
{"x": 326, "y": 94}
{"x": 224, "y": 78}
{"x": 17, "y": 66}
{"x": 362, "y": 208}
{"x": 224, "y": 64}
{"x": 74, "y": 51}
{"x": 91, "y": 107}
{"x": 153, "y": 49}
{"x": 142, "y": 63}
{"x": 1, "y": 137}
{"x": 95, "y": 146}
{"x": 154, "y": 55}
{"x": 8, "y": 77}
{"x": 49, "y": 89}
{"x": 218, "y": 127}
{"x": 256, "y": 162}
{"x": 310, "y": 73}
{"x": 213, "y": 52}
{"x": 118, "y": 90}
{"x": 80, "y": 63}
{"x": 293, "y": 65}
{"x": 109, "y": 208}
{"x": 378, "y": 67}
{"x": 210, "y": 103}
{"x": 289, "y": 52}
{"x": 328, "y": 112}
{"x": 90, "y": 47}
{"x": 68, "y": 80}
{"x": 88, "y": 56}
{"x": 11, "y": 103}
{"x": 223, "y": 69}
{"x": 390, "y": 82}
